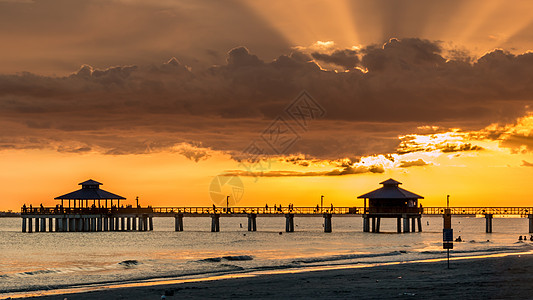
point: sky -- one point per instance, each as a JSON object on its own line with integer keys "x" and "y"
{"x": 181, "y": 103}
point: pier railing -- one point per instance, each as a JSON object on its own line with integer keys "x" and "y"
{"x": 84, "y": 210}
{"x": 299, "y": 210}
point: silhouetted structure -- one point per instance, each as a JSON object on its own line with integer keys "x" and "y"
{"x": 391, "y": 201}
{"x": 90, "y": 191}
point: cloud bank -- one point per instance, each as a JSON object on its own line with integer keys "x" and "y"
{"x": 371, "y": 96}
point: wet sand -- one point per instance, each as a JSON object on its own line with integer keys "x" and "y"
{"x": 483, "y": 278}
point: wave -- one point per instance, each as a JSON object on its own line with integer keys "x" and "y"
{"x": 487, "y": 250}
{"x": 228, "y": 258}
{"x": 345, "y": 257}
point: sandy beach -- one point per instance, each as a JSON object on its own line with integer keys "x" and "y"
{"x": 481, "y": 278}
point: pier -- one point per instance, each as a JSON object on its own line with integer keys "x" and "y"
{"x": 141, "y": 219}
{"x": 91, "y": 209}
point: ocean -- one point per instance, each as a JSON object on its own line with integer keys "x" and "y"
{"x": 49, "y": 260}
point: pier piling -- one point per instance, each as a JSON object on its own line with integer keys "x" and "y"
{"x": 252, "y": 224}
{"x": 178, "y": 222}
{"x": 530, "y": 223}
{"x": 488, "y": 223}
{"x": 289, "y": 222}
{"x": 24, "y": 224}
{"x": 399, "y": 225}
{"x": 366, "y": 223}
{"x": 406, "y": 224}
{"x": 215, "y": 222}
{"x": 327, "y": 223}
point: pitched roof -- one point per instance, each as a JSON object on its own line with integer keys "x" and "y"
{"x": 89, "y": 194}
{"x": 90, "y": 182}
{"x": 390, "y": 190}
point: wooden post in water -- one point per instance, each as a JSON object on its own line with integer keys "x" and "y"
{"x": 327, "y": 222}
{"x": 134, "y": 223}
{"x": 150, "y": 223}
{"x": 30, "y": 225}
{"x": 419, "y": 223}
{"x": 24, "y": 224}
{"x": 413, "y": 224}
{"x": 122, "y": 224}
{"x": 50, "y": 224}
{"x": 366, "y": 223}
{"x": 378, "y": 223}
{"x": 373, "y": 224}
{"x": 178, "y": 222}
{"x": 128, "y": 224}
{"x": 530, "y": 223}
{"x": 289, "y": 222}
{"x": 399, "y": 225}
{"x": 252, "y": 224}
{"x": 215, "y": 222}
{"x": 405, "y": 223}
{"x": 488, "y": 223}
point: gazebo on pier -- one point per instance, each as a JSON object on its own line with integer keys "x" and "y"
{"x": 391, "y": 201}
{"x": 90, "y": 190}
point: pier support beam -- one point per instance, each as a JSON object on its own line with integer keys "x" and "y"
{"x": 117, "y": 223}
{"x": 37, "y": 229}
{"x": 51, "y": 224}
{"x": 122, "y": 224}
{"x": 30, "y": 225}
{"x": 151, "y": 223}
{"x": 413, "y": 224}
{"x": 406, "y": 224}
{"x": 327, "y": 223}
{"x": 99, "y": 224}
{"x": 378, "y": 222}
{"x": 215, "y": 222}
{"x": 419, "y": 223}
{"x": 289, "y": 222}
{"x": 373, "y": 224}
{"x": 57, "y": 220}
{"x": 399, "y": 225}
{"x": 43, "y": 224}
{"x": 140, "y": 223}
{"x": 145, "y": 223}
{"x": 252, "y": 224}
{"x": 366, "y": 223}
{"x": 488, "y": 223}
{"x": 128, "y": 224}
{"x": 530, "y": 223}
{"x": 134, "y": 223}
{"x": 178, "y": 222}
{"x": 24, "y": 224}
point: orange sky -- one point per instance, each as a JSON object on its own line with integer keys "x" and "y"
{"x": 155, "y": 100}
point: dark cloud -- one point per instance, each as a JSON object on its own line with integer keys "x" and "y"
{"x": 337, "y": 172}
{"x": 526, "y": 164}
{"x": 348, "y": 59}
{"x": 413, "y": 163}
{"x": 146, "y": 108}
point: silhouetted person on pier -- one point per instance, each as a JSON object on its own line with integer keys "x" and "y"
{"x": 331, "y": 207}
{"x": 266, "y": 206}
{"x": 31, "y": 208}
{"x": 24, "y": 209}
{"x": 42, "y": 208}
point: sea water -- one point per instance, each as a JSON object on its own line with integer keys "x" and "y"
{"x": 53, "y": 260}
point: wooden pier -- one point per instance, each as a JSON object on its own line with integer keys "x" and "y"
{"x": 91, "y": 209}
{"x": 43, "y": 219}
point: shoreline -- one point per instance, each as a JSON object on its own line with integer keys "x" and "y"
{"x": 223, "y": 283}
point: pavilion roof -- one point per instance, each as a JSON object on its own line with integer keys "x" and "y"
{"x": 391, "y": 190}
{"x": 85, "y": 193}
